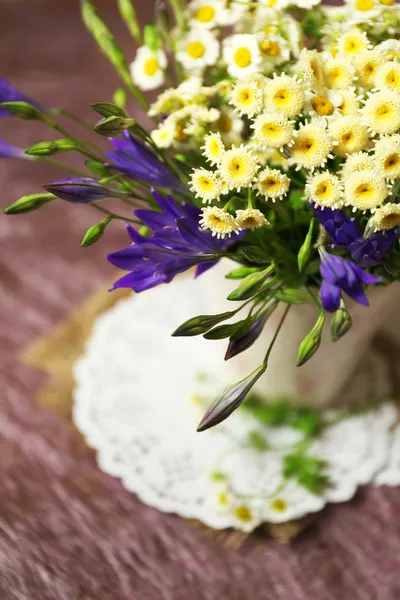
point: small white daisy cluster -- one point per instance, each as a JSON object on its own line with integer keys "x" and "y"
{"x": 261, "y": 114}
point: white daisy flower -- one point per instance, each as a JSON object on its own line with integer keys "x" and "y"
{"x": 272, "y": 184}
{"x": 205, "y": 13}
{"x": 213, "y": 148}
{"x": 387, "y": 156}
{"x": 272, "y": 130}
{"x": 284, "y": 94}
{"x": 350, "y": 133}
{"x": 387, "y": 217}
{"x": 365, "y": 190}
{"x": 242, "y": 55}
{"x": 197, "y": 50}
{"x": 238, "y": 167}
{"x": 360, "y": 161}
{"x": 390, "y": 49}
{"x": 247, "y": 97}
{"x": 147, "y": 69}
{"x": 164, "y": 135}
{"x": 381, "y": 112}
{"x": 312, "y": 146}
{"x": 205, "y": 185}
{"x": 250, "y": 218}
{"x": 219, "y": 222}
{"x": 325, "y": 189}
{"x": 230, "y": 126}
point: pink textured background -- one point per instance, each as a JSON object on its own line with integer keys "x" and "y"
{"x": 68, "y": 532}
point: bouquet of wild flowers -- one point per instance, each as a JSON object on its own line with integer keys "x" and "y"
{"x": 275, "y": 142}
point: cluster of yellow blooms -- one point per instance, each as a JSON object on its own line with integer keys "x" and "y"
{"x": 333, "y": 114}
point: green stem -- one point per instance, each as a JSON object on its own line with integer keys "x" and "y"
{"x": 178, "y": 12}
{"x": 57, "y": 163}
{"x": 276, "y": 335}
{"x": 114, "y": 215}
{"x": 69, "y": 115}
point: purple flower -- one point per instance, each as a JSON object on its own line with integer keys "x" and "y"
{"x": 342, "y": 229}
{"x": 370, "y": 252}
{"x": 345, "y": 233}
{"x": 341, "y": 275}
{"x": 10, "y": 94}
{"x": 176, "y": 245}
{"x": 139, "y": 162}
{"x": 81, "y": 190}
{"x": 9, "y": 151}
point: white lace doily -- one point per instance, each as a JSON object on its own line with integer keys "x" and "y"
{"x": 140, "y": 394}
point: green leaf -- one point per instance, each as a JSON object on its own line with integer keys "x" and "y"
{"x": 201, "y": 324}
{"x": 293, "y": 296}
{"x": 23, "y": 110}
{"x": 241, "y": 272}
{"x": 277, "y": 413}
{"x": 308, "y": 471}
{"x": 29, "y": 203}
{"x": 305, "y": 251}
{"x": 113, "y": 126}
{"x": 107, "y": 109}
{"x": 95, "y": 232}
{"x": 341, "y": 323}
{"x": 49, "y": 148}
{"x": 296, "y": 199}
{"x": 251, "y": 284}
{"x": 308, "y": 421}
{"x": 311, "y": 342}
{"x": 128, "y": 13}
{"x": 108, "y": 46}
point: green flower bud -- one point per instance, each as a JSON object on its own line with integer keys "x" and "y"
{"x": 95, "y": 232}
{"x": 29, "y": 203}
{"x": 341, "y": 323}
{"x": 107, "y": 109}
{"x": 251, "y": 284}
{"x": 152, "y": 37}
{"x": 128, "y": 14}
{"x": 201, "y": 324}
{"x": 241, "y": 272}
{"x": 113, "y": 126}
{"x": 23, "y": 110}
{"x": 49, "y": 148}
{"x": 306, "y": 249}
{"x": 97, "y": 167}
{"x": 311, "y": 342}
{"x": 293, "y": 296}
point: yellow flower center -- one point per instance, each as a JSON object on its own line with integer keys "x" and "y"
{"x": 364, "y": 5}
{"x": 334, "y": 50}
{"x": 249, "y": 223}
{"x": 323, "y": 190}
{"x": 322, "y": 106}
{"x": 205, "y": 14}
{"x": 242, "y": 57}
{"x": 270, "y": 48}
{"x": 216, "y": 222}
{"x": 369, "y": 70}
{"x": 393, "y": 78}
{"x": 383, "y": 112}
{"x": 387, "y": 2}
{"x": 224, "y": 123}
{"x": 236, "y": 167}
{"x": 243, "y": 513}
{"x": 205, "y": 183}
{"x": 305, "y": 145}
{"x": 222, "y": 499}
{"x": 151, "y": 66}
{"x": 180, "y": 135}
{"x": 195, "y": 49}
{"x": 365, "y": 191}
{"x": 268, "y": 29}
{"x": 282, "y": 96}
{"x": 390, "y": 221}
{"x": 391, "y": 162}
{"x": 352, "y": 45}
{"x": 279, "y": 505}
{"x": 271, "y": 3}
{"x": 270, "y": 183}
{"x": 335, "y": 74}
{"x": 271, "y": 130}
